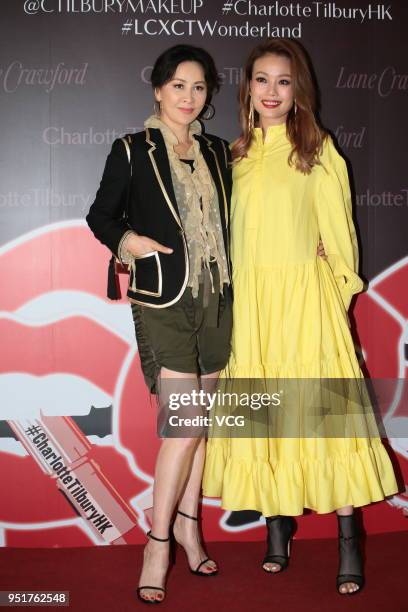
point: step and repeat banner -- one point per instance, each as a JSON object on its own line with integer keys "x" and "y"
{"x": 77, "y": 426}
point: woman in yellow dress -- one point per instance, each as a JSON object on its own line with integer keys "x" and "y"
{"x": 290, "y": 187}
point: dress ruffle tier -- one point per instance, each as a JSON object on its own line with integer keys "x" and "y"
{"x": 291, "y": 322}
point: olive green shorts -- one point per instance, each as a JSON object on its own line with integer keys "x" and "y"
{"x": 187, "y": 337}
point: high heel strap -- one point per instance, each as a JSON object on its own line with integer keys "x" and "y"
{"x": 199, "y": 566}
{"x": 198, "y": 571}
{"x": 152, "y": 588}
{"x": 193, "y": 518}
{"x": 150, "y": 535}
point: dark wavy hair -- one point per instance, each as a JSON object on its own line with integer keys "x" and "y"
{"x": 303, "y": 131}
{"x": 166, "y": 65}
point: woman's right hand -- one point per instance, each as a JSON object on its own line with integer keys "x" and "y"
{"x": 140, "y": 245}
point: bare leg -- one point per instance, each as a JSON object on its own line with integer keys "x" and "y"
{"x": 173, "y": 467}
{"x": 185, "y": 530}
{"x": 346, "y": 511}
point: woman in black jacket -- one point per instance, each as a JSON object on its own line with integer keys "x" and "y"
{"x": 169, "y": 223}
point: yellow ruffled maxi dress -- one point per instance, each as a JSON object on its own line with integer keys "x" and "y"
{"x": 290, "y": 321}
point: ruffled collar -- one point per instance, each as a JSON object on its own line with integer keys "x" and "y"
{"x": 197, "y": 200}
{"x": 168, "y": 134}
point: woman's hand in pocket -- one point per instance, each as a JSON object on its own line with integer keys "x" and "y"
{"x": 140, "y": 245}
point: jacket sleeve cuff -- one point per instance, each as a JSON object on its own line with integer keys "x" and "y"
{"x": 124, "y": 256}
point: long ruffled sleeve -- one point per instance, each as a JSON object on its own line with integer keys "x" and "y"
{"x": 337, "y": 231}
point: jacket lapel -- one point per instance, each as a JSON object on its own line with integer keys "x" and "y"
{"x": 160, "y": 162}
{"x": 214, "y": 166}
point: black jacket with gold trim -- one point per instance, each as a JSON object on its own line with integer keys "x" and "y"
{"x": 153, "y": 212}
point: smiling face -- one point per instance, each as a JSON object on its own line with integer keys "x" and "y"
{"x": 272, "y": 89}
{"x": 183, "y": 97}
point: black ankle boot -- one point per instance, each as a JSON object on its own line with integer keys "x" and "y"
{"x": 280, "y": 530}
{"x": 350, "y": 558}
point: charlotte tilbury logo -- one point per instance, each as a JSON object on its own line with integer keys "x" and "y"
{"x": 38, "y": 198}
{"x": 384, "y": 198}
{"x": 384, "y": 83}
{"x": 59, "y": 135}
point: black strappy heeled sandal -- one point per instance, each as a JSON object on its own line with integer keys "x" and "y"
{"x": 280, "y": 530}
{"x": 350, "y": 558}
{"x": 197, "y": 571}
{"x": 156, "y": 588}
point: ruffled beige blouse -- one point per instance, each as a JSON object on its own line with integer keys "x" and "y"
{"x": 198, "y": 206}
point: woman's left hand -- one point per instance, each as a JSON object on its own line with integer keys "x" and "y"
{"x": 320, "y": 250}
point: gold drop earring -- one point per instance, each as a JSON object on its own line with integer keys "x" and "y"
{"x": 251, "y": 116}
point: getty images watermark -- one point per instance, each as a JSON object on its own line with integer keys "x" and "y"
{"x": 207, "y": 401}
{"x": 276, "y": 408}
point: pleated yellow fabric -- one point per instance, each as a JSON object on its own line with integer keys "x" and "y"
{"x": 290, "y": 321}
